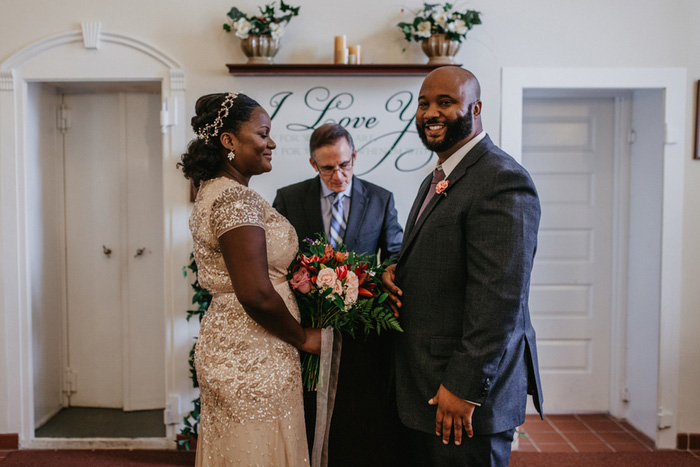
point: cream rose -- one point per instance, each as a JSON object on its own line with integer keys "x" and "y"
{"x": 326, "y": 278}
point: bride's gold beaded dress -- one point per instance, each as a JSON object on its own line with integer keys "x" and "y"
{"x": 249, "y": 380}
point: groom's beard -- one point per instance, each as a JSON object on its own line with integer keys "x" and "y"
{"x": 455, "y": 132}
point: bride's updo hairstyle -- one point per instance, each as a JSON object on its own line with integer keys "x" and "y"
{"x": 214, "y": 114}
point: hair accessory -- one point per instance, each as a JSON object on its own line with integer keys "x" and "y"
{"x": 212, "y": 129}
{"x": 231, "y": 155}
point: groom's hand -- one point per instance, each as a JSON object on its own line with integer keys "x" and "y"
{"x": 452, "y": 413}
{"x": 388, "y": 277}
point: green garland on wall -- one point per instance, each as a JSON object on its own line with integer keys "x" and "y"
{"x": 201, "y": 298}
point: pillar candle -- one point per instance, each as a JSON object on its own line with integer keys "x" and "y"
{"x": 340, "y": 50}
{"x": 356, "y": 50}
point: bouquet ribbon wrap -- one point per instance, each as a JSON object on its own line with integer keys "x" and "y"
{"x": 331, "y": 345}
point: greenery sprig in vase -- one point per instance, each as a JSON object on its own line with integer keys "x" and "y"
{"x": 440, "y": 29}
{"x": 268, "y": 22}
{"x": 435, "y": 18}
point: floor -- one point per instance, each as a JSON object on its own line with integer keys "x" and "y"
{"x": 571, "y": 433}
{"x": 86, "y": 422}
{"x": 582, "y": 433}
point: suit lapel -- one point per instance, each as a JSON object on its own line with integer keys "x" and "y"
{"x": 312, "y": 206}
{"x": 356, "y": 216}
{"x": 455, "y": 176}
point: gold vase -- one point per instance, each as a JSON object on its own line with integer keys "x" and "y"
{"x": 260, "y": 49}
{"x": 439, "y": 50}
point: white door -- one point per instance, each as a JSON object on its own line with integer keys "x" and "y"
{"x": 113, "y": 199}
{"x": 569, "y": 148}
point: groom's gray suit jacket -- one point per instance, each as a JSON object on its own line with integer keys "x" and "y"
{"x": 464, "y": 269}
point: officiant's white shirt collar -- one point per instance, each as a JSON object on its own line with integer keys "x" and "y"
{"x": 452, "y": 161}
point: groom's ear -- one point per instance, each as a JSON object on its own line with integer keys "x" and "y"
{"x": 476, "y": 109}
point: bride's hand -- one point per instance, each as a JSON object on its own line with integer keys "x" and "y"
{"x": 312, "y": 343}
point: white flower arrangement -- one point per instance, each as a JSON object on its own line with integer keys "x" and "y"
{"x": 435, "y": 18}
{"x": 267, "y": 22}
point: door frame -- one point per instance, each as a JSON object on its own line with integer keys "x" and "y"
{"x": 672, "y": 81}
{"x": 86, "y": 55}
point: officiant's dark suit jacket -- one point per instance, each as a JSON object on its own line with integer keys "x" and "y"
{"x": 364, "y": 427}
{"x": 464, "y": 269}
{"x": 372, "y": 221}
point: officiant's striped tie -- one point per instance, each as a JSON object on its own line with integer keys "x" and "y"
{"x": 337, "y": 229}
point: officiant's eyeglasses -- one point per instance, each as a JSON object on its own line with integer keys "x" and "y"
{"x": 331, "y": 169}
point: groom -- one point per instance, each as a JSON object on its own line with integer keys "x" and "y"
{"x": 467, "y": 359}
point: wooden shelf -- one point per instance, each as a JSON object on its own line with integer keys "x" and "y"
{"x": 331, "y": 69}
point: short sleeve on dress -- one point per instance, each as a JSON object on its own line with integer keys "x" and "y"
{"x": 237, "y": 207}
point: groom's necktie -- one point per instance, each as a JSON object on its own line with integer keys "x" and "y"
{"x": 338, "y": 226}
{"x": 438, "y": 176}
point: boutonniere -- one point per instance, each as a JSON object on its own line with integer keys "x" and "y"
{"x": 441, "y": 187}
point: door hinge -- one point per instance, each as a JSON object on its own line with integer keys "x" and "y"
{"x": 63, "y": 118}
{"x": 171, "y": 414}
{"x": 631, "y": 137}
{"x": 671, "y": 134}
{"x": 665, "y": 419}
{"x": 168, "y": 114}
{"x": 70, "y": 382}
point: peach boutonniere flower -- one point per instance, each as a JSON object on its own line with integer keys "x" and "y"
{"x": 441, "y": 187}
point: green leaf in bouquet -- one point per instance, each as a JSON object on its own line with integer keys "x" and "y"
{"x": 338, "y": 302}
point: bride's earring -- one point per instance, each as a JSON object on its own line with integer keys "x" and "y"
{"x": 231, "y": 155}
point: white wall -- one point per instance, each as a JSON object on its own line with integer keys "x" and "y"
{"x": 598, "y": 33}
{"x": 44, "y": 246}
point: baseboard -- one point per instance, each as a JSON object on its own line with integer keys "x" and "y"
{"x": 687, "y": 441}
{"x": 100, "y": 443}
{"x": 9, "y": 441}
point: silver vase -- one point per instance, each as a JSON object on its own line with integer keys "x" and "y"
{"x": 260, "y": 49}
{"x": 439, "y": 50}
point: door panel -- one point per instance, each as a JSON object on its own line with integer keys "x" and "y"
{"x": 92, "y": 220}
{"x": 568, "y": 147}
{"x": 145, "y": 380}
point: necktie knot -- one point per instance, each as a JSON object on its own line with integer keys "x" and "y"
{"x": 438, "y": 175}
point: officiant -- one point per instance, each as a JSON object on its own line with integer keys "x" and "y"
{"x": 363, "y": 217}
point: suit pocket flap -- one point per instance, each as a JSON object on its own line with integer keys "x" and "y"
{"x": 443, "y": 346}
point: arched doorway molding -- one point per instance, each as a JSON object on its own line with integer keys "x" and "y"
{"x": 87, "y": 55}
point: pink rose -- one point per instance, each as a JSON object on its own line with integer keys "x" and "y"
{"x": 338, "y": 288}
{"x": 326, "y": 278}
{"x": 351, "y": 293}
{"x": 352, "y": 280}
{"x": 301, "y": 281}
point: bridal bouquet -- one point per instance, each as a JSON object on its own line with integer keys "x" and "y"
{"x": 340, "y": 289}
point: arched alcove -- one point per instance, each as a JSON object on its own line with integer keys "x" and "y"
{"x": 84, "y": 56}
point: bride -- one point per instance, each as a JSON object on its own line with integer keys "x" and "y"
{"x": 246, "y": 355}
